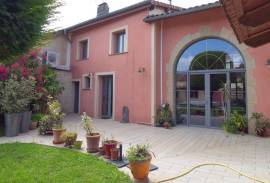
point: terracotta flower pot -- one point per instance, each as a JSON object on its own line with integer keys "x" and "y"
{"x": 33, "y": 125}
{"x": 266, "y": 132}
{"x": 93, "y": 142}
{"x": 114, "y": 154}
{"x": 108, "y": 145}
{"x": 57, "y": 136}
{"x": 140, "y": 170}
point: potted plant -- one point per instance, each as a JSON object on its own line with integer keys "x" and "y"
{"x": 114, "y": 154}
{"x": 11, "y": 105}
{"x": 262, "y": 124}
{"x": 139, "y": 158}
{"x": 69, "y": 138}
{"x": 77, "y": 144}
{"x": 166, "y": 115}
{"x": 92, "y": 138}
{"x": 236, "y": 123}
{"x": 108, "y": 145}
{"x": 35, "y": 119}
{"x": 44, "y": 125}
{"x": 58, "y": 130}
{"x": 27, "y": 96}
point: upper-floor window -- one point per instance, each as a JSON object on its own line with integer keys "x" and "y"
{"x": 118, "y": 42}
{"x": 52, "y": 58}
{"x": 83, "y": 50}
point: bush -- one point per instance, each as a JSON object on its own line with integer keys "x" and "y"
{"x": 235, "y": 123}
{"x": 37, "y": 117}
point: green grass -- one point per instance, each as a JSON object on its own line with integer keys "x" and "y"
{"x": 33, "y": 163}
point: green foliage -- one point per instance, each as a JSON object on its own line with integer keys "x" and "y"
{"x": 44, "y": 125}
{"x": 69, "y": 138}
{"x": 23, "y": 25}
{"x": 138, "y": 153}
{"x": 55, "y": 111}
{"x": 87, "y": 123}
{"x": 32, "y": 163}
{"x": 261, "y": 123}
{"x": 235, "y": 123}
{"x": 16, "y": 96}
{"x": 164, "y": 114}
{"x": 37, "y": 117}
{"x": 51, "y": 85}
{"x": 77, "y": 144}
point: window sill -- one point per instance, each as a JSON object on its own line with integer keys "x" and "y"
{"x": 86, "y": 89}
{"x": 112, "y": 54}
{"x": 83, "y": 60}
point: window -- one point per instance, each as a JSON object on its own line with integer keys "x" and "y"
{"x": 118, "y": 42}
{"x": 52, "y": 58}
{"x": 87, "y": 81}
{"x": 83, "y": 53}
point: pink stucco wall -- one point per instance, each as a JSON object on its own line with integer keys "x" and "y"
{"x": 132, "y": 89}
{"x": 178, "y": 27}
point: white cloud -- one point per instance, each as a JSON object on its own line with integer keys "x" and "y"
{"x": 76, "y": 11}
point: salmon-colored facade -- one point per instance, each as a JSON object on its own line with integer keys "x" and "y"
{"x": 139, "y": 79}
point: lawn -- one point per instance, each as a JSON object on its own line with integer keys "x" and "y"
{"x": 38, "y": 163}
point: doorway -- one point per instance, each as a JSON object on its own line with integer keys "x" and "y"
{"x": 76, "y": 86}
{"x": 106, "y": 97}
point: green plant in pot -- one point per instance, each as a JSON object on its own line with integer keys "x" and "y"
{"x": 35, "y": 119}
{"x": 56, "y": 118}
{"x": 11, "y": 105}
{"x": 28, "y": 94}
{"x": 77, "y": 144}
{"x": 139, "y": 158}
{"x": 166, "y": 116}
{"x": 69, "y": 138}
{"x": 262, "y": 124}
{"x": 44, "y": 125}
{"x": 92, "y": 138}
{"x": 235, "y": 123}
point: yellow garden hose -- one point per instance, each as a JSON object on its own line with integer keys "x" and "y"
{"x": 212, "y": 164}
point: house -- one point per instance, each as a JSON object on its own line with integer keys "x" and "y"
{"x": 152, "y": 53}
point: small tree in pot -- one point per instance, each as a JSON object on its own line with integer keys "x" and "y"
{"x": 56, "y": 117}
{"x": 139, "y": 158}
{"x": 92, "y": 139}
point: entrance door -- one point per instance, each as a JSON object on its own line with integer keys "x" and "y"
{"x": 76, "y": 96}
{"x": 217, "y": 99}
{"x": 107, "y": 94}
{"x": 197, "y": 100}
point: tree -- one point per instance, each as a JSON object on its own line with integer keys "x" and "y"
{"x": 23, "y": 25}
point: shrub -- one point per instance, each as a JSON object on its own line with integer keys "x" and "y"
{"x": 235, "y": 123}
{"x": 37, "y": 117}
{"x": 55, "y": 111}
{"x": 44, "y": 125}
{"x": 261, "y": 123}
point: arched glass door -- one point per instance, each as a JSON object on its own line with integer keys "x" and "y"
{"x": 210, "y": 83}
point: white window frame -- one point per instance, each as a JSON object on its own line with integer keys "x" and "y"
{"x": 90, "y": 76}
{"x": 57, "y": 57}
{"x": 79, "y": 48}
{"x": 112, "y": 40}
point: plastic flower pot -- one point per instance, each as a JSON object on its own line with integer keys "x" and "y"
{"x": 114, "y": 154}
{"x": 77, "y": 145}
{"x": 108, "y": 145}
{"x": 92, "y": 142}
{"x": 12, "y": 124}
{"x": 140, "y": 170}
{"x": 57, "y": 136}
{"x": 25, "y": 121}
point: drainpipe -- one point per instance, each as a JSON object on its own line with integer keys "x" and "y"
{"x": 161, "y": 62}
{"x": 68, "y": 56}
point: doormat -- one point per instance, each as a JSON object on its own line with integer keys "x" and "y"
{"x": 152, "y": 167}
{"x": 118, "y": 164}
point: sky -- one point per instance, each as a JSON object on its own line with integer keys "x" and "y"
{"x": 75, "y": 11}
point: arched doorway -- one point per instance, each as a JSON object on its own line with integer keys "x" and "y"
{"x": 210, "y": 83}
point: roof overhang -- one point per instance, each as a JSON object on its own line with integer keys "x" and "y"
{"x": 250, "y": 20}
{"x": 187, "y": 11}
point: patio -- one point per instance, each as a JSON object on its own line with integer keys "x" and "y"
{"x": 181, "y": 148}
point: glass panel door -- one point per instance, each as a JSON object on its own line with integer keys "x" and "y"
{"x": 217, "y": 103}
{"x": 197, "y": 100}
{"x": 181, "y": 98}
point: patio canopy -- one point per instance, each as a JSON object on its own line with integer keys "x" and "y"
{"x": 250, "y": 20}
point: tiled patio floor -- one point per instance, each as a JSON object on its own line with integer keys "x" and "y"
{"x": 181, "y": 148}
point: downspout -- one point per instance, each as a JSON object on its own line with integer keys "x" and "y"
{"x": 68, "y": 56}
{"x": 161, "y": 62}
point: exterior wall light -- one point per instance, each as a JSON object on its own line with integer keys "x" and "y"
{"x": 141, "y": 70}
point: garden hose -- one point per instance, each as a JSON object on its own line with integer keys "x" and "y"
{"x": 212, "y": 164}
